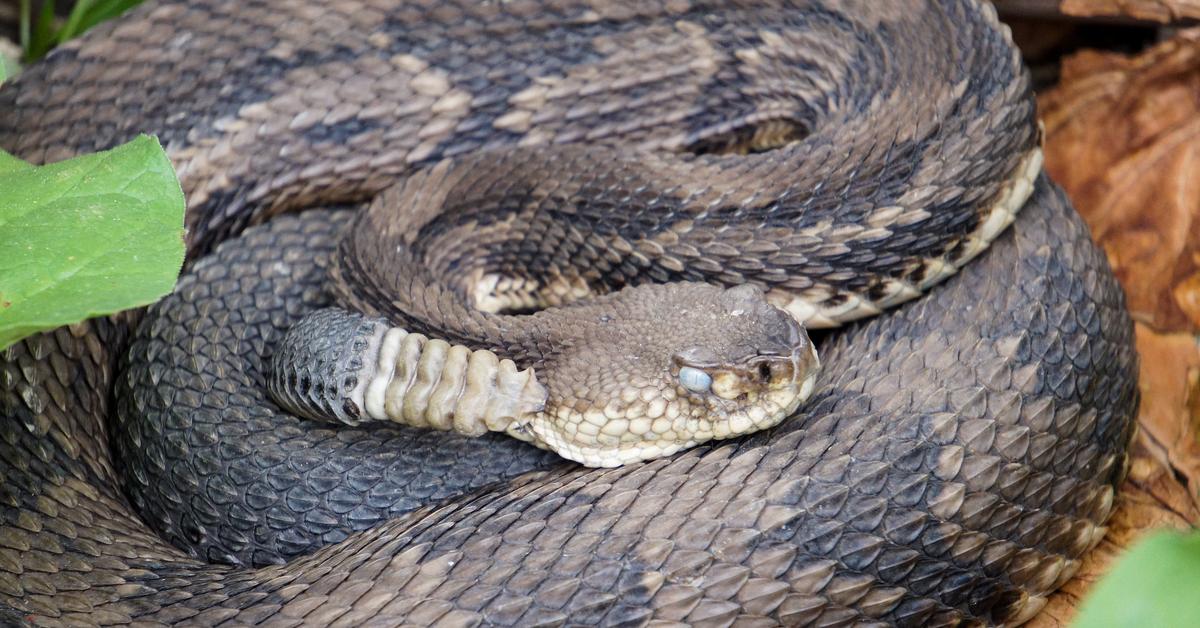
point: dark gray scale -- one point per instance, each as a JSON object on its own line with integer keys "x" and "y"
{"x": 268, "y": 486}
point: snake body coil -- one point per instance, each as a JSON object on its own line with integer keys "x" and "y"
{"x": 614, "y": 163}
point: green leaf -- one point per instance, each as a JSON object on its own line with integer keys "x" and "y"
{"x": 25, "y": 25}
{"x": 44, "y": 35}
{"x": 71, "y": 28}
{"x": 1154, "y": 584}
{"x": 41, "y": 34}
{"x": 93, "y": 13}
{"x": 87, "y": 237}
{"x": 8, "y": 164}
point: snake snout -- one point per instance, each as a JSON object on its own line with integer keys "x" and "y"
{"x": 786, "y": 360}
{"x": 788, "y": 357}
{"x": 779, "y": 371}
{"x": 782, "y": 367}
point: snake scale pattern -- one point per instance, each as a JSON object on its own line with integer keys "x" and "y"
{"x": 854, "y": 160}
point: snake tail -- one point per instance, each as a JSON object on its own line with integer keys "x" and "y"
{"x": 354, "y": 368}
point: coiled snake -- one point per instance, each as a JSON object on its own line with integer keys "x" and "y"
{"x": 957, "y": 458}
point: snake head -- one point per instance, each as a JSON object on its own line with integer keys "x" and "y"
{"x": 779, "y": 357}
{"x": 656, "y": 369}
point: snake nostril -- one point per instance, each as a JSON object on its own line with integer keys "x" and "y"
{"x": 764, "y": 371}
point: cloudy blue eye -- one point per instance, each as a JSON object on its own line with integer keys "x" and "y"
{"x": 694, "y": 379}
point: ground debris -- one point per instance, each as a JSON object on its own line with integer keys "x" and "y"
{"x": 1123, "y": 138}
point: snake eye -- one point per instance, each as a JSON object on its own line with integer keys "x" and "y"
{"x": 695, "y": 380}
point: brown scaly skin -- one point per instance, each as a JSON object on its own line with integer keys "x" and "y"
{"x": 958, "y": 459}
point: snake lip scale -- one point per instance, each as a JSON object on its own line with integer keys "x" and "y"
{"x": 430, "y": 243}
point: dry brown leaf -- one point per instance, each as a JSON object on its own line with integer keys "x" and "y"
{"x": 1170, "y": 410}
{"x": 1164, "y": 11}
{"x": 1123, "y": 138}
